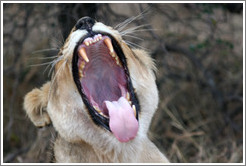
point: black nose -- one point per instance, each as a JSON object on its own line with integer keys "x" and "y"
{"x": 85, "y": 23}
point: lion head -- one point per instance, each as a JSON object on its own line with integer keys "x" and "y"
{"x": 101, "y": 92}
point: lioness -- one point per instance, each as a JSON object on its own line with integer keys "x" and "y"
{"x": 100, "y": 100}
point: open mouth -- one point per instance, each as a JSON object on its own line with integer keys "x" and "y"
{"x": 102, "y": 78}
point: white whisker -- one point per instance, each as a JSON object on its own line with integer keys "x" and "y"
{"x": 57, "y": 42}
{"x": 126, "y": 22}
{"x": 140, "y": 30}
{"x": 135, "y": 45}
{"x": 134, "y": 28}
{"x": 53, "y": 64}
{"x": 131, "y": 19}
{"x": 132, "y": 36}
{"x": 122, "y": 25}
{"x": 41, "y": 64}
{"x": 58, "y": 71}
{"x": 45, "y": 50}
{"x": 44, "y": 58}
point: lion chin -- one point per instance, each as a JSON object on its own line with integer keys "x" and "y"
{"x": 100, "y": 99}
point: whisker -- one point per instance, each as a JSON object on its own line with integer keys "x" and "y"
{"x": 44, "y": 58}
{"x": 50, "y": 64}
{"x": 57, "y": 42}
{"x": 126, "y": 22}
{"x": 134, "y": 28}
{"x": 54, "y": 78}
{"x": 45, "y": 50}
{"x": 122, "y": 25}
{"x": 139, "y": 30}
{"x": 53, "y": 65}
{"x": 136, "y": 45}
{"x": 132, "y": 36}
{"x": 131, "y": 19}
{"x": 42, "y": 64}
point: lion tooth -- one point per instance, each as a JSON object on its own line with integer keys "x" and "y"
{"x": 99, "y": 36}
{"x": 82, "y": 65}
{"x": 80, "y": 74}
{"x": 97, "y": 109}
{"x": 117, "y": 61}
{"x": 128, "y": 96}
{"x": 108, "y": 43}
{"x": 82, "y": 53}
{"x": 134, "y": 110}
{"x": 87, "y": 43}
{"x": 112, "y": 54}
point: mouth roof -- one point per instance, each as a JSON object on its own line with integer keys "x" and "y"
{"x": 101, "y": 74}
{"x": 102, "y": 78}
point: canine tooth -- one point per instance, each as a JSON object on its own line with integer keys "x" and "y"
{"x": 134, "y": 110}
{"x": 108, "y": 43}
{"x": 82, "y": 53}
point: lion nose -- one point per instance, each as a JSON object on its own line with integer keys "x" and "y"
{"x": 85, "y": 23}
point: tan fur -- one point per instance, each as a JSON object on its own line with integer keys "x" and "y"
{"x": 35, "y": 104}
{"x": 80, "y": 139}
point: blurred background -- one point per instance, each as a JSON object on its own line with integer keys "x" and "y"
{"x": 198, "y": 50}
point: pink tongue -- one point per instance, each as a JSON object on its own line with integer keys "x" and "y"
{"x": 122, "y": 121}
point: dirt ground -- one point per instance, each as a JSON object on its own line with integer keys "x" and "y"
{"x": 198, "y": 51}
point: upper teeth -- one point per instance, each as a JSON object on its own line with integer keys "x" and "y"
{"x": 88, "y": 41}
{"x": 91, "y": 40}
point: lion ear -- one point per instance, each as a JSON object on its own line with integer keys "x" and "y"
{"x": 35, "y": 104}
